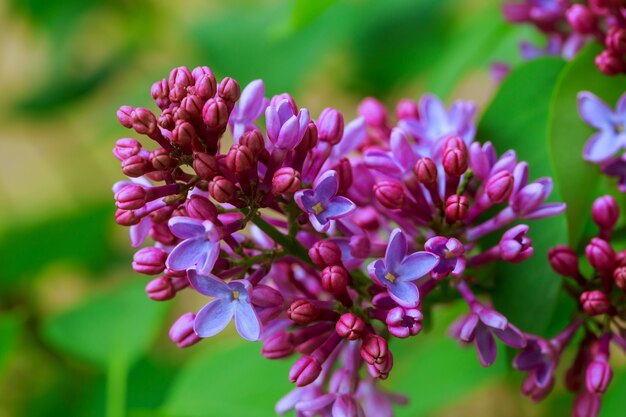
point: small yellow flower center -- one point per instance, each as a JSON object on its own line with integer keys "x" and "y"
{"x": 449, "y": 255}
{"x": 318, "y": 208}
{"x": 235, "y": 295}
{"x": 390, "y": 277}
{"x": 619, "y": 128}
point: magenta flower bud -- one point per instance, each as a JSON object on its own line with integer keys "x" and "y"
{"x": 374, "y": 112}
{"x": 595, "y": 302}
{"x": 360, "y": 246}
{"x": 598, "y": 376}
{"x": 500, "y": 186}
{"x": 390, "y": 194}
{"x": 166, "y": 120}
{"x": 205, "y": 86}
{"x": 453, "y": 142}
{"x": 182, "y": 332}
{"x": 426, "y": 171}
{"x": 222, "y": 190}
{"x": 286, "y": 181}
{"x": 149, "y": 261}
{"x": 125, "y": 116}
{"x": 605, "y": 212}
{"x": 303, "y": 312}
{"x": 335, "y": 279}
{"x": 374, "y": 349}
{"x": 131, "y": 197}
{"x": 134, "y": 166}
{"x": 407, "y": 109}
{"x": 265, "y": 296}
{"x": 161, "y": 233}
{"x": 586, "y": 404}
{"x": 201, "y": 208}
{"x": 515, "y": 246}
{"x": 330, "y": 126}
{"x": 192, "y": 106}
{"x": 278, "y": 346}
{"x": 160, "y": 92}
{"x": 581, "y": 19}
{"x": 616, "y": 40}
{"x": 126, "y": 217}
{"x": 344, "y": 172}
{"x": 608, "y": 62}
{"x": 160, "y": 159}
{"x": 229, "y": 90}
{"x": 350, "y": 326}
{"x": 455, "y": 161}
{"x": 143, "y": 121}
{"x": 620, "y": 258}
{"x": 564, "y": 261}
{"x": 457, "y": 208}
{"x": 215, "y": 114}
{"x": 305, "y": 370}
{"x": 600, "y": 254}
{"x": 180, "y": 76}
{"x": 125, "y": 148}
{"x": 254, "y": 140}
{"x": 325, "y": 253}
{"x": 404, "y": 322}
{"x": 199, "y": 72}
{"x": 619, "y": 276}
{"x": 177, "y": 93}
{"x": 160, "y": 289}
{"x": 381, "y": 370}
{"x": 205, "y": 165}
{"x": 310, "y": 138}
{"x": 239, "y": 159}
{"x": 366, "y": 218}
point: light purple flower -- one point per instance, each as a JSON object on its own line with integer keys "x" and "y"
{"x": 540, "y": 359}
{"x": 616, "y": 167}
{"x": 232, "y": 299}
{"x": 451, "y": 259}
{"x": 515, "y": 245}
{"x": 248, "y": 109}
{"x": 396, "y": 163}
{"x": 611, "y": 135}
{"x": 538, "y": 11}
{"x": 200, "y": 247}
{"x": 322, "y": 203}
{"x": 340, "y": 401}
{"x": 527, "y": 200}
{"x": 397, "y": 270}
{"x": 284, "y": 128}
{"x": 377, "y": 402}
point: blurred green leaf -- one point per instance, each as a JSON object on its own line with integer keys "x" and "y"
{"x": 578, "y": 180}
{"x": 229, "y": 380}
{"x": 10, "y": 329}
{"x": 306, "y": 11}
{"x": 517, "y": 118}
{"x": 119, "y": 324}
{"x": 613, "y": 400}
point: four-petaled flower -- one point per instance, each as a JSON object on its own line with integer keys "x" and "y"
{"x": 397, "y": 271}
{"x": 539, "y": 358}
{"x": 200, "y": 247}
{"x": 451, "y": 259}
{"x": 611, "y": 125}
{"x": 232, "y": 299}
{"x": 322, "y": 204}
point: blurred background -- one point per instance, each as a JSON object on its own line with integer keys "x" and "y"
{"x": 78, "y": 336}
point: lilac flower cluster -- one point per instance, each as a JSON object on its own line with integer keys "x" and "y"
{"x": 569, "y": 25}
{"x": 321, "y": 238}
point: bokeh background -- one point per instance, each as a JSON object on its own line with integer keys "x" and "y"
{"x": 78, "y": 336}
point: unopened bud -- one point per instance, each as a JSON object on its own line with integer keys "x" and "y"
{"x": 182, "y": 332}
{"x": 134, "y": 166}
{"x": 500, "y": 186}
{"x": 205, "y": 165}
{"x": 305, "y": 370}
{"x": 581, "y": 19}
{"x": 160, "y": 289}
{"x": 130, "y": 197}
{"x": 160, "y": 159}
{"x": 455, "y": 161}
{"x": 222, "y": 190}
{"x": 426, "y": 171}
{"x": 286, "y": 181}
{"x": 374, "y": 349}
{"x": 407, "y": 109}
{"x": 335, "y": 279}
{"x": 600, "y": 255}
{"x": 229, "y": 90}
{"x": 609, "y": 62}
{"x": 456, "y": 208}
{"x": 149, "y": 261}
{"x": 278, "y": 346}
{"x": 330, "y": 126}
{"x": 605, "y": 212}
{"x": 595, "y": 302}
{"x": 239, "y": 159}
{"x": 616, "y": 40}
{"x": 215, "y": 114}
{"x": 374, "y": 112}
{"x": 201, "y": 208}
{"x": 350, "y": 326}
{"x": 564, "y": 261}
{"x": 303, "y": 312}
{"x": 325, "y": 253}
{"x": 390, "y": 194}
{"x": 125, "y": 148}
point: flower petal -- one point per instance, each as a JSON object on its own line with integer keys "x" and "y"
{"x": 207, "y": 261}
{"x": 139, "y": 232}
{"x": 208, "y": 285}
{"x": 326, "y": 186}
{"x": 467, "y": 330}
{"x": 416, "y": 265}
{"x": 511, "y": 336}
{"x": 337, "y": 207}
{"x": 214, "y": 317}
{"x": 602, "y": 146}
{"x": 186, "y": 227}
{"x": 396, "y": 250}
{"x": 492, "y": 318}
{"x": 404, "y": 293}
{"x": 485, "y": 346}
{"x": 246, "y": 321}
{"x": 594, "y": 111}
{"x": 316, "y": 403}
{"x": 186, "y": 254}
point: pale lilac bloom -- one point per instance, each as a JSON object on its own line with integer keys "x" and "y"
{"x": 248, "y": 109}
{"x": 552, "y": 48}
{"x": 230, "y": 300}
{"x": 398, "y": 162}
{"x": 451, "y": 256}
{"x": 397, "y": 271}
{"x": 200, "y": 247}
{"x": 527, "y": 200}
{"x": 376, "y": 402}
{"x": 611, "y": 135}
{"x": 304, "y": 395}
{"x": 322, "y": 202}
{"x": 340, "y": 400}
{"x": 284, "y": 128}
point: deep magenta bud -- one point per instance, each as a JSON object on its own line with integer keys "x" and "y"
{"x": 125, "y": 116}
{"x": 177, "y": 93}
{"x": 266, "y": 296}
{"x": 125, "y": 148}
{"x": 160, "y": 289}
{"x": 144, "y": 121}
{"x": 453, "y": 142}
{"x": 374, "y": 112}
{"x": 310, "y": 138}
{"x": 350, "y": 326}
{"x": 335, "y": 279}
{"x": 381, "y": 370}
{"x": 455, "y": 161}
{"x": 131, "y": 197}
{"x": 215, "y": 114}
{"x": 126, "y": 217}
{"x": 605, "y": 212}
{"x": 205, "y": 165}
{"x": 619, "y": 276}
{"x": 600, "y": 254}
{"x": 595, "y": 302}
{"x": 166, "y": 120}
{"x": 182, "y": 332}
{"x": 609, "y": 62}
{"x": 390, "y": 194}
{"x": 330, "y": 126}
{"x": 374, "y": 349}
{"x": 161, "y": 160}
{"x": 325, "y": 253}
{"x": 192, "y": 105}
{"x": 564, "y": 261}
{"x": 134, "y": 166}
{"x": 180, "y": 76}
{"x": 500, "y": 186}
{"x": 286, "y": 181}
{"x": 305, "y": 370}
{"x": 407, "y": 109}
{"x": 426, "y": 171}
{"x": 278, "y": 346}
{"x": 222, "y": 190}
{"x": 229, "y": 90}
{"x": 149, "y": 261}
{"x": 616, "y": 40}
{"x": 239, "y": 159}
{"x": 598, "y": 376}
{"x": 456, "y": 208}
{"x": 201, "y": 208}
{"x": 254, "y": 140}
{"x": 303, "y": 312}
{"x": 206, "y": 86}
{"x": 198, "y": 72}
{"x": 344, "y": 172}
{"x": 581, "y": 19}
{"x": 160, "y": 92}
{"x": 161, "y": 233}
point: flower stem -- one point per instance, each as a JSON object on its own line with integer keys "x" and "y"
{"x": 291, "y": 245}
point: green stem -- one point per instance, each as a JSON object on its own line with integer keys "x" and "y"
{"x": 291, "y": 245}
{"x": 116, "y": 386}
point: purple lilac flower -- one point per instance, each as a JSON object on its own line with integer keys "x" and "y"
{"x": 451, "y": 259}
{"x": 250, "y": 107}
{"x": 611, "y": 135}
{"x": 200, "y": 246}
{"x": 285, "y": 128}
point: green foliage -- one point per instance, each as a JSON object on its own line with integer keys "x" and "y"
{"x": 10, "y": 330}
{"x": 306, "y": 11}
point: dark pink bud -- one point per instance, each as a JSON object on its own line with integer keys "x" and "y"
{"x": 149, "y": 261}
{"x": 605, "y": 212}
{"x": 344, "y": 173}
{"x": 198, "y": 72}
{"x": 360, "y": 246}
{"x": 134, "y": 166}
{"x": 161, "y": 233}
{"x": 581, "y": 19}
{"x": 278, "y": 346}
{"x": 166, "y": 120}
{"x": 426, "y": 171}
{"x": 239, "y": 159}
{"x": 598, "y": 376}
{"x": 201, "y": 208}
{"x": 177, "y": 93}
{"x": 182, "y": 332}
{"x": 500, "y": 186}
{"x": 131, "y": 197}
{"x": 222, "y": 190}
{"x": 229, "y": 90}
{"x": 586, "y": 405}
{"x": 620, "y": 258}
{"x": 180, "y": 76}
{"x": 350, "y": 326}
{"x": 310, "y": 138}
{"x": 126, "y": 217}
{"x": 564, "y": 261}
{"x": 600, "y": 254}
{"x": 455, "y": 161}
{"x": 160, "y": 289}
{"x": 205, "y": 165}
{"x": 125, "y": 148}
{"x": 619, "y": 276}
{"x": 305, "y": 370}
{"x": 616, "y": 40}
{"x": 192, "y": 105}
{"x": 335, "y": 279}
{"x": 515, "y": 246}
{"x": 206, "y": 86}
{"x": 374, "y": 112}
{"x": 161, "y": 160}
{"x": 456, "y": 208}
{"x": 303, "y": 312}
{"x": 609, "y": 62}
{"x": 325, "y": 253}
{"x": 407, "y": 109}
{"x": 160, "y": 92}
{"x": 374, "y": 349}
{"x": 286, "y": 181}
{"x": 453, "y": 142}
{"x": 381, "y": 370}
{"x": 125, "y": 116}
{"x": 595, "y": 302}
{"x": 144, "y": 121}
{"x": 390, "y": 194}
{"x": 215, "y": 114}
{"x": 330, "y": 126}
{"x": 266, "y": 296}
{"x": 366, "y": 218}
{"x": 253, "y": 139}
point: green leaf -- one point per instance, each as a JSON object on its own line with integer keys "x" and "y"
{"x": 578, "y": 180}
{"x": 306, "y": 11}
{"x": 517, "y": 119}
{"x": 109, "y": 329}
{"x": 10, "y": 329}
{"x": 613, "y": 400}
{"x": 230, "y": 380}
